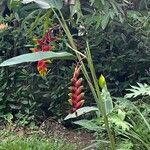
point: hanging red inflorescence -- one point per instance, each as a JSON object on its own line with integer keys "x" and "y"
{"x": 44, "y": 46}
{"x": 76, "y": 90}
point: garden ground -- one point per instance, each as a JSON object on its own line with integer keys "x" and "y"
{"x": 49, "y": 134}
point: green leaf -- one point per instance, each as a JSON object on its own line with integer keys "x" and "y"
{"x": 105, "y": 20}
{"x": 80, "y": 112}
{"x": 113, "y": 3}
{"x": 125, "y": 145}
{"x": 8, "y": 117}
{"x": 12, "y": 106}
{"x": 92, "y": 2}
{"x": 76, "y": 9}
{"x": 142, "y": 116}
{"x": 32, "y": 57}
{"x": 88, "y": 124}
{"x": 14, "y": 4}
{"x": 46, "y": 4}
{"x": 141, "y": 89}
{"x": 2, "y": 107}
{"x": 120, "y": 123}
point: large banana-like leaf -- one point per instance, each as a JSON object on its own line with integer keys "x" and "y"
{"x": 45, "y": 4}
{"x": 32, "y": 57}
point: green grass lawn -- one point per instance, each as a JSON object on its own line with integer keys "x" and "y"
{"x": 9, "y": 141}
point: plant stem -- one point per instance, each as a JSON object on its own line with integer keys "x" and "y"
{"x": 100, "y": 102}
{"x": 95, "y": 89}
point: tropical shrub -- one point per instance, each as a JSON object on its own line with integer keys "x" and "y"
{"x": 23, "y": 92}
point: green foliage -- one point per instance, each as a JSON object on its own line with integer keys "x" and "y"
{"x": 140, "y": 90}
{"x": 15, "y": 97}
{"x": 118, "y": 119}
{"x": 125, "y": 145}
{"x": 131, "y": 130}
{"x": 120, "y": 52}
{"x": 76, "y": 10}
{"x": 87, "y": 124}
{"x": 104, "y": 12}
{"x": 139, "y": 123}
{"x": 119, "y": 39}
{"x": 23, "y": 93}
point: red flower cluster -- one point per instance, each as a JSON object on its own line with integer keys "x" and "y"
{"x": 44, "y": 46}
{"x": 76, "y": 90}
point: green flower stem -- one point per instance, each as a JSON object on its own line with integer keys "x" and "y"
{"x": 71, "y": 41}
{"x": 100, "y": 102}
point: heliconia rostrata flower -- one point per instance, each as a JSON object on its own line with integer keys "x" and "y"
{"x": 76, "y": 90}
{"x": 44, "y": 46}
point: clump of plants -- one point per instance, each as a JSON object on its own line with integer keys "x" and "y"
{"x": 115, "y": 121}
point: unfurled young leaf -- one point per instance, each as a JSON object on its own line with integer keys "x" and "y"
{"x": 102, "y": 81}
{"x": 106, "y": 97}
{"x": 107, "y": 100}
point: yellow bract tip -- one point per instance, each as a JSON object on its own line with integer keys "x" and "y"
{"x": 43, "y": 73}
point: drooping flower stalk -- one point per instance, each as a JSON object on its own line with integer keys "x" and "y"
{"x": 95, "y": 89}
{"x": 44, "y": 45}
{"x": 76, "y": 90}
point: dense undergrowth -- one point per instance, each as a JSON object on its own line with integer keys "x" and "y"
{"x": 120, "y": 52}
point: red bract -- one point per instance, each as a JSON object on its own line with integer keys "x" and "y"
{"x": 49, "y": 36}
{"x": 76, "y": 90}
{"x": 42, "y": 67}
{"x": 44, "y": 46}
{"x": 40, "y": 42}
